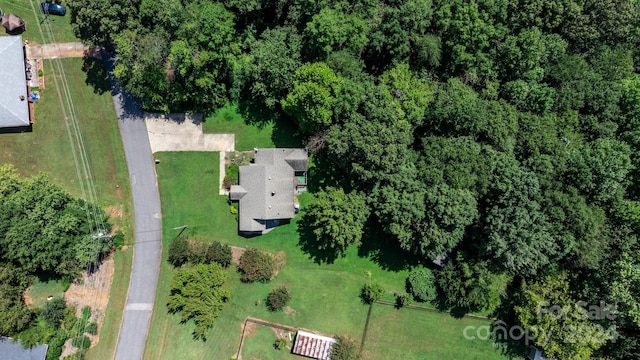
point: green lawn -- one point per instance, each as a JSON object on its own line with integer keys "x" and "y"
{"x": 29, "y": 10}
{"x": 325, "y": 297}
{"x": 258, "y": 345}
{"x": 48, "y": 147}
{"x": 228, "y": 120}
{"x": 410, "y": 334}
{"x": 40, "y": 290}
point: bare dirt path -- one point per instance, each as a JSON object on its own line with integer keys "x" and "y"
{"x": 59, "y": 50}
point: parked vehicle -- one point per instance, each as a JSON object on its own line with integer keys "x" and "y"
{"x": 52, "y": 9}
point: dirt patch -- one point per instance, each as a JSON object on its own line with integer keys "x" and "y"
{"x": 281, "y": 258}
{"x": 92, "y": 290}
{"x": 239, "y": 157}
{"x": 40, "y": 71}
{"x": 26, "y": 298}
{"x": 250, "y": 329}
{"x": 289, "y": 311}
{"x": 68, "y": 349}
{"x": 283, "y": 334}
{"x": 115, "y": 213}
{"x": 236, "y": 252}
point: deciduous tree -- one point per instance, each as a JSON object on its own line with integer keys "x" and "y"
{"x": 198, "y": 293}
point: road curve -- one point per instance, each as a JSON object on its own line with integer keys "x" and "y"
{"x": 147, "y": 251}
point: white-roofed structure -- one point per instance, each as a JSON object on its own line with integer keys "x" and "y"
{"x": 14, "y": 99}
{"x": 312, "y": 345}
{"x": 267, "y": 187}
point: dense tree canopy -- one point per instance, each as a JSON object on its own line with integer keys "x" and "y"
{"x": 500, "y": 137}
{"x": 43, "y": 228}
{"x": 337, "y": 219}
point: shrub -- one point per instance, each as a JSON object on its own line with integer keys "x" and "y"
{"x": 278, "y": 298}
{"x": 81, "y": 342}
{"x": 219, "y": 253}
{"x": 227, "y": 182}
{"x": 421, "y": 284}
{"x": 402, "y": 300}
{"x": 118, "y": 239}
{"x": 280, "y": 344}
{"x": 233, "y": 209}
{"x": 233, "y": 171}
{"x": 55, "y": 345}
{"x": 178, "y": 252}
{"x": 345, "y": 349}
{"x": 372, "y": 292}
{"x": 53, "y": 311}
{"x": 256, "y": 265}
{"x": 197, "y": 252}
{"x": 91, "y": 328}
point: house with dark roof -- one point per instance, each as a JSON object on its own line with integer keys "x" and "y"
{"x": 312, "y": 345}
{"x": 267, "y": 188}
{"x": 14, "y": 99}
{"x": 13, "y": 350}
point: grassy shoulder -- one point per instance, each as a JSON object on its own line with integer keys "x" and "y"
{"x": 106, "y": 347}
{"x": 325, "y": 297}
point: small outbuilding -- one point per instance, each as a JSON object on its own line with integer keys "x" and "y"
{"x": 13, "y": 350}
{"x": 312, "y": 345}
{"x": 13, "y": 24}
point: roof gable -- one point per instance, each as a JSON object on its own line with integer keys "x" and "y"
{"x": 14, "y": 111}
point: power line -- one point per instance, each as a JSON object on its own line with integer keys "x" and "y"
{"x": 81, "y": 159}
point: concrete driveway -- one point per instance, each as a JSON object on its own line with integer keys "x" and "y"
{"x": 59, "y": 50}
{"x": 180, "y": 132}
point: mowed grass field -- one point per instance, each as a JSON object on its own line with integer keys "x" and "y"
{"x": 48, "y": 149}
{"x": 325, "y": 297}
{"x": 29, "y": 10}
{"x": 258, "y": 345}
{"x": 412, "y": 334}
{"x": 227, "y": 120}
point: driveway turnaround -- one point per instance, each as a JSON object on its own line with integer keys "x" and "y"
{"x": 180, "y": 132}
{"x": 148, "y": 235}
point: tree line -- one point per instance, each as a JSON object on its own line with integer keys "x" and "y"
{"x": 500, "y": 138}
{"x": 45, "y": 233}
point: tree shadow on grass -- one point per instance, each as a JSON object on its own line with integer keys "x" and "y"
{"x": 255, "y": 113}
{"x": 96, "y": 74}
{"x": 309, "y": 244}
{"x": 384, "y": 251}
{"x": 285, "y": 132}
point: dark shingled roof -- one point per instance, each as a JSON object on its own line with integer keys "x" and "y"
{"x": 14, "y": 111}
{"x": 12, "y": 350}
{"x": 266, "y": 188}
{"x": 312, "y": 345}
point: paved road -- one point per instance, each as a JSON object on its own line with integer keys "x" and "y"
{"x": 148, "y": 236}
